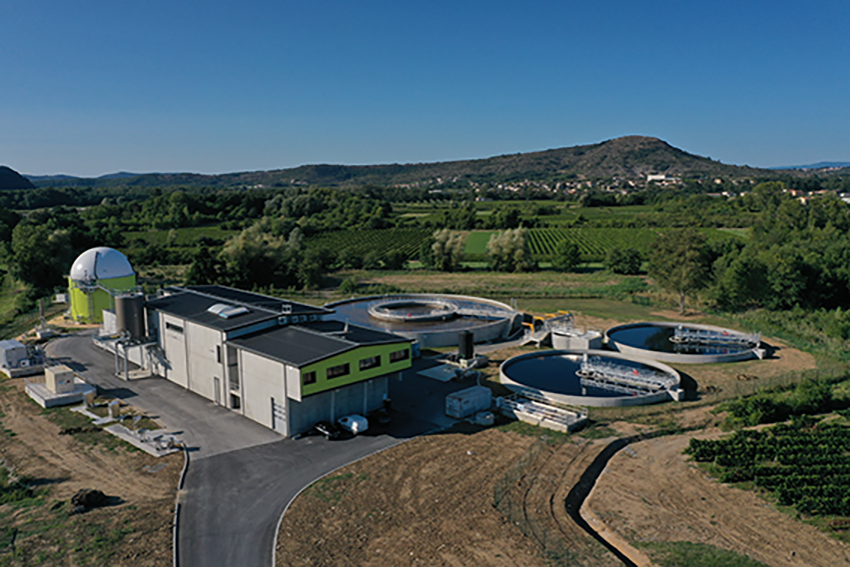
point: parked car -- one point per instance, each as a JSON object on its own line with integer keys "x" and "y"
{"x": 328, "y": 429}
{"x": 354, "y": 423}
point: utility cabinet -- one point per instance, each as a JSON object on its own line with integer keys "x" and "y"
{"x": 470, "y": 401}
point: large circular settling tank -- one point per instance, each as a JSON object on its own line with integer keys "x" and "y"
{"x": 590, "y": 378}
{"x": 432, "y": 320}
{"x": 684, "y": 343}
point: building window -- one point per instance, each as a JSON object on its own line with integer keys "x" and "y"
{"x": 371, "y": 362}
{"x": 218, "y": 353}
{"x": 337, "y": 371}
{"x": 309, "y": 378}
{"x": 235, "y": 402}
{"x": 173, "y": 327}
{"x": 399, "y": 355}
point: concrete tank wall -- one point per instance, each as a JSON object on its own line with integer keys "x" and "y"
{"x": 483, "y": 333}
{"x": 647, "y": 354}
{"x": 591, "y": 401}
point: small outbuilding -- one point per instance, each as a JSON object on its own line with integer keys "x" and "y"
{"x": 60, "y": 387}
{"x": 16, "y": 359}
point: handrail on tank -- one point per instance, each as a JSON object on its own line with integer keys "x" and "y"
{"x": 708, "y": 336}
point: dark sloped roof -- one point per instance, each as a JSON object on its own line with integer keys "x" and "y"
{"x": 300, "y": 345}
{"x": 194, "y": 307}
{"x": 275, "y": 304}
{"x": 360, "y": 335}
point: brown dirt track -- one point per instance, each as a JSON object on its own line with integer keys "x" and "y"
{"x": 651, "y": 493}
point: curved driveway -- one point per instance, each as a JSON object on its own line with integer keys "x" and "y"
{"x": 241, "y": 475}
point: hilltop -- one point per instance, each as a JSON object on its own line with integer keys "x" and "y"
{"x": 629, "y": 157}
{"x": 11, "y": 179}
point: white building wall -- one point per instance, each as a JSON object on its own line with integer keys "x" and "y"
{"x": 174, "y": 344}
{"x": 263, "y": 381}
{"x": 204, "y": 368}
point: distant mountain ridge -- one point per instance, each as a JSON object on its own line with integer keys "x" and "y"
{"x": 818, "y": 165}
{"x": 629, "y": 157}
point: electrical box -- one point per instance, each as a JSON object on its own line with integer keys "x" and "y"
{"x": 59, "y": 379}
{"x": 12, "y": 353}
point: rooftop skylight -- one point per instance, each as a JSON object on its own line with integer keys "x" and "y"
{"x": 227, "y": 311}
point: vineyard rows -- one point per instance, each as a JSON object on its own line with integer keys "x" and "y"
{"x": 804, "y": 464}
{"x": 381, "y": 242}
{"x": 594, "y": 243}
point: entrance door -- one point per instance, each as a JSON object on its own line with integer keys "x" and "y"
{"x": 279, "y": 417}
{"x": 217, "y": 388}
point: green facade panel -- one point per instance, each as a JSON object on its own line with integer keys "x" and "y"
{"x": 353, "y": 358}
{"x": 87, "y": 307}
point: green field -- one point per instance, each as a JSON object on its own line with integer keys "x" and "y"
{"x": 187, "y": 236}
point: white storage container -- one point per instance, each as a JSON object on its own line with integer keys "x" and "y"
{"x": 464, "y": 403}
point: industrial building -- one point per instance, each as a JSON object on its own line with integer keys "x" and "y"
{"x": 277, "y": 362}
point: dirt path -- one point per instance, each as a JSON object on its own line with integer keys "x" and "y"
{"x": 649, "y": 492}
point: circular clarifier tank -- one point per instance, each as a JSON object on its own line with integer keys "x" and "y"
{"x": 432, "y": 320}
{"x": 683, "y": 343}
{"x": 590, "y": 378}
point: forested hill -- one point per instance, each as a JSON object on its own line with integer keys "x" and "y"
{"x": 630, "y": 157}
{"x": 11, "y": 179}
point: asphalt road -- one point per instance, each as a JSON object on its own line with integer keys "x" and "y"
{"x": 242, "y": 476}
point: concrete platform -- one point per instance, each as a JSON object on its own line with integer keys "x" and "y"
{"x": 153, "y": 442}
{"x": 47, "y": 399}
{"x": 443, "y": 373}
{"x": 24, "y": 371}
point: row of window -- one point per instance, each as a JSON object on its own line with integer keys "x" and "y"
{"x": 345, "y": 369}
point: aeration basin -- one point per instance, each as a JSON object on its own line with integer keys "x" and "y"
{"x": 591, "y": 378}
{"x": 432, "y": 319}
{"x": 683, "y": 343}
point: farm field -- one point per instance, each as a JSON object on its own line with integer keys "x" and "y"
{"x": 186, "y": 236}
{"x": 804, "y": 464}
{"x": 594, "y": 243}
{"x": 379, "y": 242}
{"x": 652, "y": 496}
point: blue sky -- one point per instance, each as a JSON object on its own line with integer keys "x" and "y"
{"x": 94, "y": 87}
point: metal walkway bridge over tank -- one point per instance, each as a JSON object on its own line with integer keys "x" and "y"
{"x": 600, "y": 373}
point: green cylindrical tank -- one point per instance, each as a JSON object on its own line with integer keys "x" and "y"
{"x": 97, "y": 275}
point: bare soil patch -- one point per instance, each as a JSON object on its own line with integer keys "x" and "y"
{"x": 430, "y": 501}
{"x": 649, "y": 492}
{"x": 133, "y": 529}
